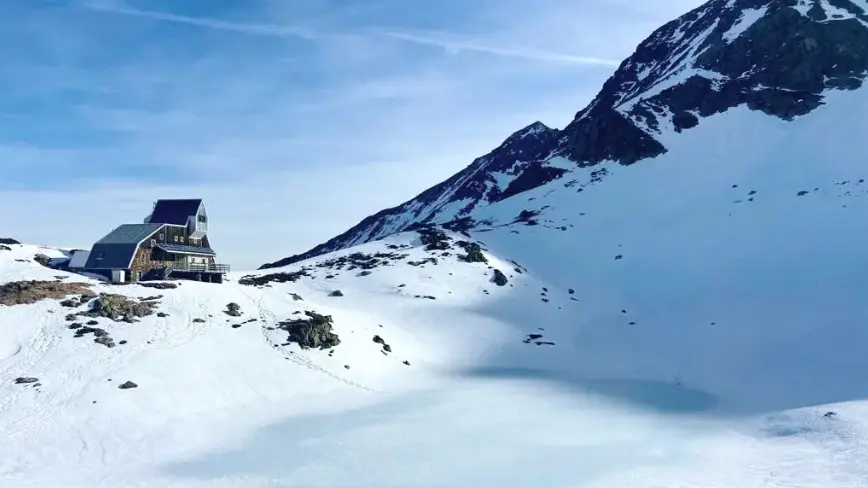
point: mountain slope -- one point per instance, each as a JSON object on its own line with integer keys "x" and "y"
{"x": 696, "y": 319}
{"x": 778, "y": 58}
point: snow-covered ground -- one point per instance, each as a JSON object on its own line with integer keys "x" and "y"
{"x": 695, "y": 320}
{"x": 708, "y": 355}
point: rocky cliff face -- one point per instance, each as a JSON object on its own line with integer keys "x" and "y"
{"x": 774, "y": 56}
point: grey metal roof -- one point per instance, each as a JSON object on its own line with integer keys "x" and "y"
{"x": 129, "y": 234}
{"x": 179, "y": 248}
{"x": 116, "y": 250}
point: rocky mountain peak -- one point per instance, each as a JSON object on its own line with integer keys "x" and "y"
{"x": 773, "y": 56}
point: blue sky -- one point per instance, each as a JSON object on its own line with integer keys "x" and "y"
{"x": 293, "y": 118}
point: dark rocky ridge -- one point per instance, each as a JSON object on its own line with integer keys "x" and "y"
{"x": 780, "y": 65}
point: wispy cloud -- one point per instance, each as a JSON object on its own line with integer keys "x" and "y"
{"x": 301, "y": 139}
{"x": 242, "y": 28}
{"x": 453, "y": 45}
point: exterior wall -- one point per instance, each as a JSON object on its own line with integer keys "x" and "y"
{"x": 144, "y": 261}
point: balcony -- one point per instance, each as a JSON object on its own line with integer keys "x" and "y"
{"x": 200, "y": 268}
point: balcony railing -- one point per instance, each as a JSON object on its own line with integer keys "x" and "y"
{"x": 200, "y": 268}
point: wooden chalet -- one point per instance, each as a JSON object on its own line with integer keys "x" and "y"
{"x": 172, "y": 242}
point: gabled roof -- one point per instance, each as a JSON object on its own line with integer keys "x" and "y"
{"x": 175, "y": 212}
{"x": 117, "y": 248}
{"x": 129, "y": 233}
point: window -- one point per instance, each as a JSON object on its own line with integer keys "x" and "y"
{"x": 162, "y": 237}
{"x": 176, "y": 238}
{"x": 100, "y": 255}
{"x": 202, "y": 218}
{"x": 153, "y": 242}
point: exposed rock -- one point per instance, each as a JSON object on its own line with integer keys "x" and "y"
{"x": 387, "y": 348}
{"x": 233, "y": 309}
{"x": 296, "y": 297}
{"x": 379, "y": 340}
{"x": 314, "y": 332}
{"x": 43, "y": 260}
{"x": 527, "y": 217}
{"x": 336, "y": 293}
{"x": 127, "y": 385}
{"x": 499, "y": 278}
{"x": 433, "y": 238}
{"x": 159, "y": 285}
{"x": 406, "y": 363}
{"x": 8, "y": 241}
{"x": 474, "y": 252}
{"x": 162, "y": 314}
{"x": 291, "y": 277}
{"x": 25, "y": 292}
{"x": 5, "y": 248}
{"x": 198, "y": 321}
{"x": 26, "y": 380}
{"x": 119, "y": 308}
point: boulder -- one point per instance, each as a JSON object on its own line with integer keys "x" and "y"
{"x": 313, "y": 332}
{"x": 499, "y": 278}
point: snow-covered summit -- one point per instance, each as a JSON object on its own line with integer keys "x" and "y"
{"x": 779, "y": 58}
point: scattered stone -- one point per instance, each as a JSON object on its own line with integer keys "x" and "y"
{"x": 801, "y": 193}
{"x": 92, "y": 322}
{"x": 26, "y": 380}
{"x": 829, "y": 415}
{"x": 527, "y": 217}
{"x": 43, "y": 260}
{"x": 26, "y": 292}
{"x": 499, "y": 278}
{"x": 199, "y": 321}
{"x": 160, "y": 285}
{"x": 532, "y": 337}
{"x": 122, "y": 342}
{"x": 235, "y": 326}
{"x": 474, "y": 252}
{"x": 619, "y": 256}
{"x": 4, "y": 247}
{"x": 571, "y": 291}
{"x": 119, "y": 308}
{"x": 406, "y": 363}
{"x": 162, "y": 314}
{"x": 336, "y": 293}
{"x": 296, "y": 297}
{"x": 291, "y": 277}
{"x": 233, "y": 309}
{"x": 364, "y": 273}
{"x": 379, "y": 340}
{"x": 127, "y": 385}
{"x": 314, "y": 332}
{"x": 433, "y": 238}
{"x": 74, "y": 325}
{"x": 347, "y": 366}
{"x": 387, "y": 348}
